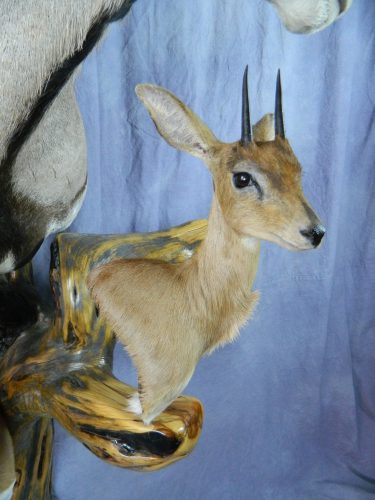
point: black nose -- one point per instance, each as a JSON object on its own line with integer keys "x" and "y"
{"x": 314, "y": 235}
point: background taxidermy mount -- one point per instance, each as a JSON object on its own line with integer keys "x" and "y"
{"x": 170, "y": 315}
{"x": 43, "y": 171}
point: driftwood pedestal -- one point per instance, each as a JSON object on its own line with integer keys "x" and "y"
{"x": 60, "y": 367}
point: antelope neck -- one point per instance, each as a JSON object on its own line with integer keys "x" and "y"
{"x": 226, "y": 260}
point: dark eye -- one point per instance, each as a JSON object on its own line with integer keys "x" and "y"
{"x": 242, "y": 180}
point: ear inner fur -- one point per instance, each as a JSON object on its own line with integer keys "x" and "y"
{"x": 175, "y": 122}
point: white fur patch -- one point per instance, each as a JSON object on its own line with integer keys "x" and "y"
{"x": 147, "y": 421}
{"x": 187, "y": 252}
{"x": 134, "y": 404}
{"x": 7, "y": 264}
{"x": 250, "y": 243}
{"x": 7, "y": 494}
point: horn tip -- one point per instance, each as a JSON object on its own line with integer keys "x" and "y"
{"x": 279, "y": 121}
{"x": 246, "y": 136}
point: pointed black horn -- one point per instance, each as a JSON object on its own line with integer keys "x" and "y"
{"x": 279, "y": 120}
{"x": 246, "y": 124}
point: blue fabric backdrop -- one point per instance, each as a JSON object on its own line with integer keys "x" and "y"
{"x": 290, "y": 406}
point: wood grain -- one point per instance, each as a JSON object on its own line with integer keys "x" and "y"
{"x": 61, "y": 368}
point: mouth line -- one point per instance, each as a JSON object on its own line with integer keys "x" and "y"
{"x": 292, "y": 245}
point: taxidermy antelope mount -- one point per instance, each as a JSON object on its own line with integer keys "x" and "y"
{"x": 169, "y": 315}
{"x": 42, "y": 141}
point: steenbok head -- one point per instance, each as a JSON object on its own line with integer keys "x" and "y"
{"x": 257, "y": 179}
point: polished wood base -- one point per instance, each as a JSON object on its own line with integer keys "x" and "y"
{"x": 60, "y": 367}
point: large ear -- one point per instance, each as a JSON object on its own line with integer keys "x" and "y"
{"x": 264, "y": 130}
{"x": 179, "y": 126}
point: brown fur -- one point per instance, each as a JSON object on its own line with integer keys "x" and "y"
{"x": 170, "y": 315}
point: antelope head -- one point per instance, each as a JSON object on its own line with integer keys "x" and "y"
{"x": 257, "y": 180}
